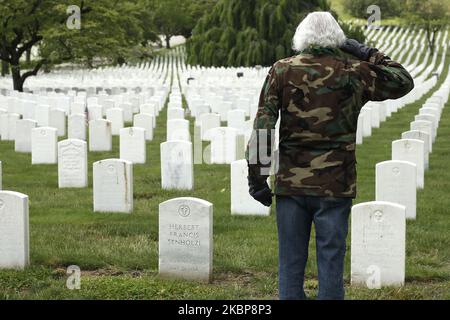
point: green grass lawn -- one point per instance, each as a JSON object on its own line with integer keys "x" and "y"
{"x": 118, "y": 253}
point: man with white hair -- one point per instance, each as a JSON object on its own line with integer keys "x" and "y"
{"x": 319, "y": 94}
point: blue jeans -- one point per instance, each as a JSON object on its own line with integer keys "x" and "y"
{"x": 295, "y": 215}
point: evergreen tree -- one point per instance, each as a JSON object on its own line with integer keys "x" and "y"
{"x": 250, "y": 32}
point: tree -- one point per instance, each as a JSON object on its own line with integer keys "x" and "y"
{"x": 145, "y": 15}
{"x": 170, "y": 18}
{"x": 21, "y": 26}
{"x": 252, "y": 32}
{"x": 110, "y": 31}
{"x": 432, "y": 15}
{"x": 5, "y": 68}
{"x": 196, "y": 9}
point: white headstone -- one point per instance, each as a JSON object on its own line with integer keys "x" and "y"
{"x": 23, "y": 135}
{"x": 132, "y": 145}
{"x": 148, "y": 108}
{"x": 222, "y": 108}
{"x": 244, "y": 104}
{"x": 127, "y": 111}
{"x": 422, "y": 136}
{"x": 375, "y": 116}
{"x": 241, "y": 201}
{"x": 115, "y": 115}
{"x": 431, "y": 110}
{"x": 425, "y": 126}
{"x": 413, "y": 151}
{"x": 95, "y": 112}
{"x": 378, "y": 244}
{"x": 208, "y": 121}
{"x": 107, "y": 104}
{"x": 77, "y": 108}
{"x": 92, "y": 101}
{"x": 225, "y": 145}
{"x": 396, "y": 182}
{"x": 145, "y": 121}
{"x": 177, "y": 169}
{"x": 178, "y": 129}
{"x": 44, "y": 145}
{"x": 186, "y": 239}
{"x": 58, "y": 120}
{"x": 100, "y": 138}
{"x": 14, "y": 230}
{"x": 72, "y": 164}
{"x": 175, "y": 113}
{"x": 201, "y": 109}
{"x": 382, "y": 109}
{"x": 8, "y": 126}
{"x": 43, "y": 115}
{"x": 29, "y": 110}
{"x": 367, "y": 122}
{"x": 113, "y": 186}
{"x": 236, "y": 119}
{"x": 360, "y": 129}
{"x": 77, "y": 127}
{"x": 430, "y": 118}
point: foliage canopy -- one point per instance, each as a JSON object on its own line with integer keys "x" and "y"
{"x": 251, "y": 32}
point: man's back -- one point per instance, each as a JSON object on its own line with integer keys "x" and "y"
{"x": 319, "y": 94}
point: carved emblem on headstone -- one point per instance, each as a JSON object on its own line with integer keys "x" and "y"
{"x": 378, "y": 216}
{"x": 396, "y": 171}
{"x": 184, "y": 211}
{"x": 111, "y": 169}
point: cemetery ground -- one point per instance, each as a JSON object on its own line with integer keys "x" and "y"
{"x": 118, "y": 253}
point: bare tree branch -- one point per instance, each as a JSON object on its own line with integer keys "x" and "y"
{"x": 33, "y": 72}
{"x": 28, "y": 45}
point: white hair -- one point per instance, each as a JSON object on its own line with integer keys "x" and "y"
{"x": 318, "y": 28}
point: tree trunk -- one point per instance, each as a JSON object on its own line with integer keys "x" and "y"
{"x": 433, "y": 40}
{"x": 17, "y": 79}
{"x": 430, "y": 38}
{"x": 5, "y": 68}
{"x": 28, "y": 56}
{"x": 168, "y": 41}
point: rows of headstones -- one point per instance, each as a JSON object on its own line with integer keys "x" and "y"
{"x": 379, "y": 228}
{"x": 375, "y": 113}
{"x": 222, "y": 103}
{"x": 378, "y": 231}
{"x": 399, "y": 41}
{"x": 35, "y": 121}
{"x": 89, "y": 117}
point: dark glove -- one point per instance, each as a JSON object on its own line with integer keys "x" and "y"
{"x": 359, "y": 50}
{"x": 261, "y": 193}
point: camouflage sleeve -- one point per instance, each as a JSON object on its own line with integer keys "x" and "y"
{"x": 259, "y": 148}
{"x": 384, "y": 79}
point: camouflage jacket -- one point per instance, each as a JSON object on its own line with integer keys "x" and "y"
{"x": 319, "y": 94}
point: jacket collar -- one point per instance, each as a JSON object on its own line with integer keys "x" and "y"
{"x": 318, "y": 51}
